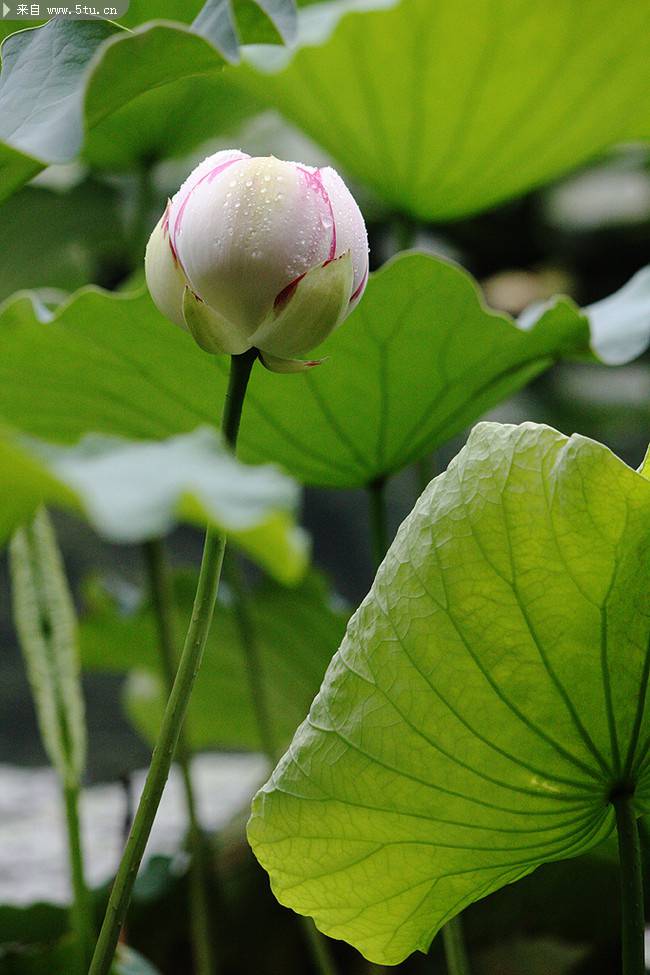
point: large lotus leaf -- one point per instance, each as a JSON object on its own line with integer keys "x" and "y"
{"x": 138, "y": 133}
{"x": 202, "y": 104}
{"x": 41, "y": 959}
{"x": 487, "y": 702}
{"x": 181, "y": 11}
{"x": 296, "y": 632}
{"x": 135, "y": 490}
{"x": 418, "y": 360}
{"x": 446, "y": 110}
{"x": 61, "y": 81}
{"x": 64, "y": 78}
{"x": 58, "y": 240}
{"x": 227, "y": 23}
{"x": 113, "y": 365}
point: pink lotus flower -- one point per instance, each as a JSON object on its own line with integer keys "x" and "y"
{"x": 259, "y": 253}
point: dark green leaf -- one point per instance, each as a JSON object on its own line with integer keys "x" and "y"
{"x": 297, "y": 631}
{"x": 59, "y": 240}
{"x": 418, "y": 360}
{"x": 139, "y": 133}
{"x": 64, "y": 78}
{"x": 32, "y": 923}
{"x": 45, "y": 959}
{"x": 42, "y": 86}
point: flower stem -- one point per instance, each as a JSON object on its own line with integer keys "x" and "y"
{"x": 81, "y": 913}
{"x": 378, "y": 519}
{"x": 452, "y": 932}
{"x": 254, "y": 668}
{"x": 316, "y": 942}
{"x": 189, "y": 663}
{"x": 162, "y": 595}
{"x": 318, "y": 948}
{"x": 425, "y": 471}
{"x": 632, "y": 913}
{"x": 455, "y": 951}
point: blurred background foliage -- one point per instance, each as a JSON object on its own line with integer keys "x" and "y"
{"x": 511, "y": 141}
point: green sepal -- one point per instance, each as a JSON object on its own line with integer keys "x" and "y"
{"x": 275, "y": 363}
{"x": 211, "y": 331}
{"x": 315, "y": 308}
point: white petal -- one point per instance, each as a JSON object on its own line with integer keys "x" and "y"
{"x": 350, "y": 229}
{"x": 245, "y": 234}
{"x": 165, "y": 279}
{"x": 211, "y": 164}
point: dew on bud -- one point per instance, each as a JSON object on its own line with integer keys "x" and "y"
{"x": 249, "y": 234}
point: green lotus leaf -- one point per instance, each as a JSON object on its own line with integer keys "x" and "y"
{"x": 131, "y": 491}
{"x": 68, "y": 85}
{"x": 296, "y": 630}
{"x": 488, "y": 702}
{"x": 444, "y": 111}
{"x": 64, "y": 78}
{"x": 419, "y": 359}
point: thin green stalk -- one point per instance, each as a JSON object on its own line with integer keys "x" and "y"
{"x": 455, "y": 951}
{"x": 176, "y": 709}
{"x": 378, "y": 520}
{"x": 250, "y": 646}
{"x": 318, "y": 947}
{"x": 425, "y": 469}
{"x": 144, "y": 200}
{"x": 452, "y": 933}
{"x": 632, "y": 913}
{"x": 80, "y": 912}
{"x": 162, "y": 594}
{"x": 404, "y": 230}
{"x": 316, "y": 942}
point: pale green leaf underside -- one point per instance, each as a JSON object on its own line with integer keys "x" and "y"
{"x": 445, "y": 114}
{"x": 489, "y": 695}
{"x": 130, "y": 491}
{"x": 60, "y": 81}
{"x": 46, "y": 624}
{"x": 227, "y": 23}
{"x": 70, "y": 85}
{"x": 129, "y": 962}
{"x": 418, "y": 360}
{"x": 296, "y": 631}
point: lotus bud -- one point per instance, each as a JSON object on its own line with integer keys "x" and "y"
{"x": 254, "y": 252}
